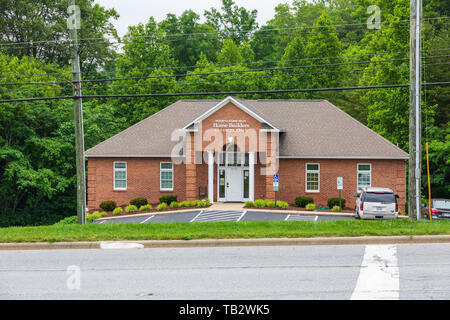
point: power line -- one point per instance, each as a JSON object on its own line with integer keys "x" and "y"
{"x": 210, "y": 65}
{"x": 222, "y": 72}
{"x": 37, "y": 43}
{"x": 180, "y": 94}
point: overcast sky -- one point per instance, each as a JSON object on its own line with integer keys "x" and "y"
{"x": 134, "y": 11}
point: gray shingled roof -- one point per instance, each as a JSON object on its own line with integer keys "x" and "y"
{"x": 310, "y": 128}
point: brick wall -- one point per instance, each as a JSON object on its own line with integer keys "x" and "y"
{"x": 142, "y": 181}
{"x": 385, "y": 173}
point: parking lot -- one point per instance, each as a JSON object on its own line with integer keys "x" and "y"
{"x": 220, "y": 215}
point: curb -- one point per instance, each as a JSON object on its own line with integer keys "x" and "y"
{"x": 232, "y": 242}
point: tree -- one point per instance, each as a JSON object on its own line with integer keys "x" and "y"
{"x": 147, "y": 59}
{"x": 188, "y": 38}
{"x": 233, "y": 22}
{"x": 45, "y": 24}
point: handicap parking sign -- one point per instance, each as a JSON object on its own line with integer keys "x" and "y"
{"x": 275, "y": 178}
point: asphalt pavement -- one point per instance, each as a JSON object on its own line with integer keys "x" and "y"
{"x": 218, "y": 215}
{"x": 292, "y": 272}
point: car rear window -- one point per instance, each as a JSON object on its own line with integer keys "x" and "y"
{"x": 379, "y": 197}
{"x": 441, "y": 204}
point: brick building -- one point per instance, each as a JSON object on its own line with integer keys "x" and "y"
{"x": 229, "y": 150}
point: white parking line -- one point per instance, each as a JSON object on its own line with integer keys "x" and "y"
{"x": 379, "y": 274}
{"x": 317, "y": 217}
{"x": 217, "y": 215}
{"x": 103, "y": 221}
{"x": 196, "y": 216}
{"x": 243, "y": 213}
{"x": 287, "y": 217}
{"x": 147, "y": 219}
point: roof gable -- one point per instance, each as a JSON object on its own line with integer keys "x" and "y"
{"x": 191, "y": 126}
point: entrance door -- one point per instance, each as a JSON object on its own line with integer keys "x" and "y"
{"x": 234, "y": 184}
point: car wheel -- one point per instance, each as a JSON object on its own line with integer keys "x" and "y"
{"x": 357, "y": 214}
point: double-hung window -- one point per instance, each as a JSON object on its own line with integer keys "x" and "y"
{"x": 166, "y": 176}
{"x": 312, "y": 177}
{"x": 120, "y": 175}
{"x": 364, "y": 175}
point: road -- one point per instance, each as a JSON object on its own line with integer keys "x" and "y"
{"x": 286, "y": 272}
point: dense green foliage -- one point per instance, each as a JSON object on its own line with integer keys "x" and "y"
{"x": 303, "y": 201}
{"x": 138, "y": 202}
{"x": 313, "y": 44}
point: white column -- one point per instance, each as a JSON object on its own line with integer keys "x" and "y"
{"x": 251, "y": 165}
{"x": 211, "y": 176}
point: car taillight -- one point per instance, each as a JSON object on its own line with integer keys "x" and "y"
{"x": 396, "y": 207}
{"x": 361, "y": 206}
{"x": 435, "y": 211}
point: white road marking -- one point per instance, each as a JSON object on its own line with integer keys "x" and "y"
{"x": 379, "y": 274}
{"x": 103, "y": 221}
{"x": 317, "y": 217}
{"x": 217, "y": 215}
{"x": 243, "y": 213}
{"x": 147, "y": 219}
{"x": 196, "y": 216}
{"x": 120, "y": 245}
{"x": 287, "y": 217}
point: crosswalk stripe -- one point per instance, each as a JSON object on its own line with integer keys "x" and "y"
{"x": 379, "y": 274}
{"x": 210, "y": 216}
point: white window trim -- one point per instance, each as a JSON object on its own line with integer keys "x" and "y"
{"x": 306, "y": 177}
{"x": 120, "y": 169}
{"x": 161, "y": 170}
{"x": 365, "y": 171}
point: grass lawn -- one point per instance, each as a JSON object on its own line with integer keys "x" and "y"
{"x": 223, "y": 230}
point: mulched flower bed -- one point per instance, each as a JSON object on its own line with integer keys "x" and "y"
{"x": 295, "y": 208}
{"x": 153, "y": 210}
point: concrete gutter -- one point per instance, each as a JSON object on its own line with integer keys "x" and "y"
{"x": 229, "y": 242}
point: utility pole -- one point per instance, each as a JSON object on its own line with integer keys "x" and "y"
{"x": 73, "y": 23}
{"x": 414, "y": 112}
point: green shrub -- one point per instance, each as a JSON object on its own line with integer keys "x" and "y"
{"x": 108, "y": 205}
{"x": 336, "y": 208}
{"x": 131, "y": 208}
{"x": 249, "y": 204}
{"x": 200, "y": 204}
{"x": 188, "y": 204}
{"x": 259, "y": 203}
{"x": 174, "y": 205}
{"x": 117, "y": 211}
{"x": 269, "y": 204}
{"x": 145, "y": 207}
{"x": 282, "y": 204}
{"x": 103, "y": 214}
{"x": 310, "y": 206}
{"x": 335, "y": 202}
{"x": 303, "y": 201}
{"x": 207, "y": 202}
{"x": 139, "y": 202}
{"x": 400, "y": 211}
{"x": 161, "y": 206}
{"x": 67, "y": 220}
{"x": 168, "y": 199}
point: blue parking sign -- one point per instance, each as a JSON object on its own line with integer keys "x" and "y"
{"x": 275, "y": 178}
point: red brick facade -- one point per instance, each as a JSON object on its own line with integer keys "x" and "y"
{"x": 190, "y": 179}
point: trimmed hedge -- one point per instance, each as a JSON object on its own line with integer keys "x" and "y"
{"x": 310, "y": 206}
{"x": 117, "y": 211}
{"x": 161, "y": 206}
{"x": 303, "y": 201}
{"x": 131, "y": 208}
{"x": 145, "y": 207}
{"x": 335, "y": 202}
{"x": 168, "y": 199}
{"x": 108, "y": 205}
{"x": 139, "y": 202}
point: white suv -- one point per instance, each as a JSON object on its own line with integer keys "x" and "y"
{"x": 376, "y": 203}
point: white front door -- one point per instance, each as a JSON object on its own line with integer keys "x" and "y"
{"x": 234, "y": 184}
